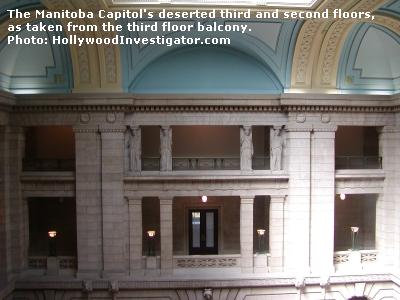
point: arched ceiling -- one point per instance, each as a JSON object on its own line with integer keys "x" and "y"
{"x": 307, "y": 56}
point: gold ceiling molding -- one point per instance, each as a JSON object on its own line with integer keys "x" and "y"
{"x": 96, "y": 67}
{"x": 328, "y": 62}
{"x": 388, "y": 22}
{"x": 317, "y": 52}
{"x": 306, "y": 50}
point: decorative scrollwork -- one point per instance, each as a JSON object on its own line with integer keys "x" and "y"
{"x": 222, "y": 262}
{"x": 340, "y": 258}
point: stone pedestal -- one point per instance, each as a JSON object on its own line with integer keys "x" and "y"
{"x": 354, "y": 263}
{"x": 261, "y": 263}
{"x": 52, "y": 266}
{"x": 151, "y": 262}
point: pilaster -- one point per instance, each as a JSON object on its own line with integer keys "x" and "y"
{"x": 88, "y": 201}
{"x": 276, "y": 233}
{"x": 388, "y": 206}
{"x": 14, "y": 207}
{"x": 135, "y": 236}
{"x": 166, "y": 235}
{"x": 3, "y": 240}
{"x": 322, "y": 210}
{"x": 297, "y": 213}
{"x": 246, "y": 234}
{"x": 114, "y": 207}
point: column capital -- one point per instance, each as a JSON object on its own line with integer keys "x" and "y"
{"x": 112, "y": 129}
{"x": 326, "y": 128}
{"x": 85, "y": 129}
{"x": 165, "y": 200}
{"x": 389, "y": 129}
{"x": 134, "y": 200}
{"x": 278, "y": 198}
{"x": 297, "y": 128}
{"x": 247, "y": 199}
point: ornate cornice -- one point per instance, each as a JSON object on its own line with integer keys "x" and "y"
{"x": 124, "y": 103}
{"x": 206, "y": 109}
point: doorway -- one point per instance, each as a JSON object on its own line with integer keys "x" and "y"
{"x": 203, "y": 231}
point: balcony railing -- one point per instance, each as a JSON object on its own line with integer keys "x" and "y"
{"x": 151, "y": 163}
{"x": 42, "y": 165}
{"x": 358, "y": 162}
{"x": 206, "y": 163}
{"x": 64, "y": 262}
{"x": 261, "y": 163}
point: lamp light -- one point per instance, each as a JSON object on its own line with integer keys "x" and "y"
{"x": 151, "y": 250}
{"x": 151, "y": 233}
{"x": 354, "y": 231}
{"x": 260, "y": 231}
{"x": 52, "y": 233}
{"x": 261, "y": 240}
{"x": 204, "y": 198}
{"x": 342, "y": 196}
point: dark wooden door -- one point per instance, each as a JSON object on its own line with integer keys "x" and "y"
{"x": 203, "y": 231}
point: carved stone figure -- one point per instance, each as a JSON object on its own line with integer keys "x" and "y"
{"x": 134, "y": 148}
{"x": 246, "y": 148}
{"x": 277, "y": 144}
{"x": 166, "y": 148}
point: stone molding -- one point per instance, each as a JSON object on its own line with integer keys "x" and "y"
{"x": 286, "y": 102}
{"x": 206, "y": 108}
{"x": 200, "y": 283}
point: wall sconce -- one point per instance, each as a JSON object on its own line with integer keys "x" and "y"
{"x": 204, "y": 199}
{"x": 354, "y": 232}
{"x": 52, "y": 234}
{"x": 151, "y": 243}
{"x": 261, "y": 240}
{"x": 342, "y": 196}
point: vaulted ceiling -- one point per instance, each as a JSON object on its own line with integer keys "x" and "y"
{"x": 328, "y": 56}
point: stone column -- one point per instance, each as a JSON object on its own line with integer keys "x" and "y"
{"x": 135, "y": 236}
{"x": 165, "y": 148}
{"x": 246, "y": 233}
{"x": 276, "y": 232}
{"x": 3, "y": 240}
{"x": 166, "y": 235}
{"x": 322, "y": 199}
{"x": 88, "y": 201}
{"x": 14, "y": 203}
{"x": 388, "y": 207}
{"x": 297, "y": 213}
{"x": 246, "y": 148}
{"x": 114, "y": 206}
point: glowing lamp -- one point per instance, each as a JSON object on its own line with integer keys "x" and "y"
{"x": 52, "y": 233}
{"x": 260, "y": 231}
{"x": 151, "y": 233}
